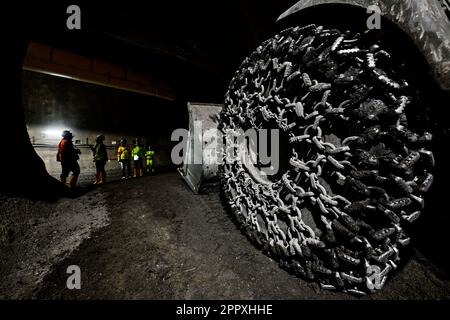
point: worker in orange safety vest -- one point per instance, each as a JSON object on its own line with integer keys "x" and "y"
{"x": 68, "y": 156}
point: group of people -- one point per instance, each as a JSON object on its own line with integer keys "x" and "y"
{"x": 137, "y": 152}
{"x": 68, "y": 156}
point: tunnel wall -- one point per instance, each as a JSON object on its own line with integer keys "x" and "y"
{"x": 53, "y": 104}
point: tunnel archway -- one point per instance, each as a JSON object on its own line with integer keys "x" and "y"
{"x": 24, "y": 171}
{"x": 199, "y": 63}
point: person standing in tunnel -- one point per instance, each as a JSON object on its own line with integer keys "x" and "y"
{"x": 124, "y": 157}
{"x": 68, "y": 155}
{"x": 149, "y": 160}
{"x": 138, "y": 154}
{"x": 100, "y": 159}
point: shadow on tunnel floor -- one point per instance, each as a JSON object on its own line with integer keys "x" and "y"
{"x": 50, "y": 189}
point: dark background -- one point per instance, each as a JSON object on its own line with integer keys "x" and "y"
{"x": 194, "y": 45}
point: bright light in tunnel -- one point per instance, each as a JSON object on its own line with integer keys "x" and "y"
{"x": 59, "y": 75}
{"x": 53, "y": 133}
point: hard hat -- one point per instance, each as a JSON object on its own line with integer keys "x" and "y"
{"x": 66, "y": 134}
{"x": 100, "y": 137}
{"x": 123, "y": 141}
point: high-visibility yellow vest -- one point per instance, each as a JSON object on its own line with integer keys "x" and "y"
{"x": 124, "y": 153}
{"x": 149, "y": 156}
{"x": 100, "y": 152}
{"x": 137, "y": 152}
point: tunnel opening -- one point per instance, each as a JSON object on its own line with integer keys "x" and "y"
{"x": 53, "y": 104}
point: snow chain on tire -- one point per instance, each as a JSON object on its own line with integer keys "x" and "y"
{"x": 356, "y": 167}
{"x": 446, "y": 5}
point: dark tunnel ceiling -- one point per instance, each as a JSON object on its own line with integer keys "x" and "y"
{"x": 195, "y": 45}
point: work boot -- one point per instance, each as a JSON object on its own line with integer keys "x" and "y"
{"x": 63, "y": 180}
{"x": 97, "y": 179}
{"x": 103, "y": 178}
{"x": 134, "y": 173}
{"x": 73, "y": 181}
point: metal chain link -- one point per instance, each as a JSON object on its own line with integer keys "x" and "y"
{"x": 335, "y": 215}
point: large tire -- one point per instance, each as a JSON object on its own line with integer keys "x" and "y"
{"x": 358, "y": 164}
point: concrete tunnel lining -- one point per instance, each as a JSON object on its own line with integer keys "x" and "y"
{"x": 53, "y": 104}
{"x": 32, "y": 115}
{"x": 26, "y": 90}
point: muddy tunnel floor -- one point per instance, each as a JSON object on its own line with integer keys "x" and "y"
{"x": 151, "y": 238}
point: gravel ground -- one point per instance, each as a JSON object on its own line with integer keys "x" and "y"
{"x": 151, "y": 238}
{"x": 36, "y": 235}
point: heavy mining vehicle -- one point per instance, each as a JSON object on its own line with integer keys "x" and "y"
{"x": 358, "y": 91}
